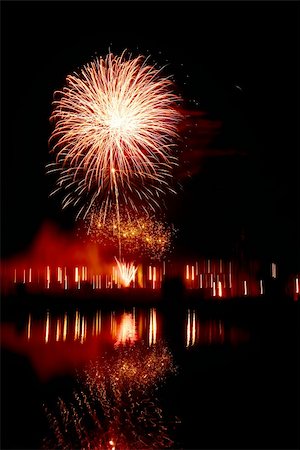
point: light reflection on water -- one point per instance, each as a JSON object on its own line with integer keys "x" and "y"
{"x": 59, "y": 343}
{"x": 118, "y": 360}
{"x": 114, "y": 404}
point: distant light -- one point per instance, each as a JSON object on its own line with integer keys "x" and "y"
{"x": 261, "y": 287}
{"x": 273, "y": 270}
{"x": 187, "y": 272}
{"x": 220, "y": 288}
{"x": 214, "y": 289}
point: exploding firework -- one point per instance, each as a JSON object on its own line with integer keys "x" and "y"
{"x": 127, "y": 272}
{"x": 141, "y": 236}
{"x": 113, "y": 405}
{"x": 115, "y": 128}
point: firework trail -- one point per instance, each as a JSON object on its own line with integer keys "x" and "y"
{"x": 114, "y": 403}
{"x": 115, "y": 128}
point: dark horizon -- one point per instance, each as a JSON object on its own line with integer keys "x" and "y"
{"x": 239, "y": 61}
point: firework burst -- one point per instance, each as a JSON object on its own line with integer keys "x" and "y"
{"x": 115, "y": 125}
{"x": 141, "y": 235}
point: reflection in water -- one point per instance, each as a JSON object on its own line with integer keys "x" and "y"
{"x": 126, "y": 330}
{"x": 113, "y": 404}
{"x": 58, "y": 343}
{"x": 212, "y": 331}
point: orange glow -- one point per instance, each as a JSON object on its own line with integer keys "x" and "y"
{"x": 127, "y": 330}
{"x": 193, "y": 273}
{"x": 29, "y": 276}
{"x": 76, "y": 274}
{"x": 220, "y": 289}
{"x": 187, "y": 276}
{"x": 214, "y": 288}
{"x": 245, "y": 288}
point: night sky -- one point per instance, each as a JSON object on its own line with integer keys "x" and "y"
{"x": 238, "y": 60}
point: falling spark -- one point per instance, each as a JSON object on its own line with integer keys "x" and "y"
{"x": 141, "y": 235}
{"x": 115, "y": 127}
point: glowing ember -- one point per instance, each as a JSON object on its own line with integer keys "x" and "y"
{"x": 115, "y": 124}
{"x": 140, "y": 235}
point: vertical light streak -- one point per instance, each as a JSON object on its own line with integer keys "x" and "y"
{"x": 201, "y": 280}
{"x": 57, "y": 336}
{"x": 193, "y": 273}
{"x": 214, "y": 288}
{"x": 77, "y": 325}
{"x": 29, "y": 327}
{"x": 24, "y": 276}
{"x": 47, "y": 277}
{"x": 76, "y": 274}
{"x": 65, "y": 330}
{"x": 297, "y": 285}
{"x": 150, "y": 273}
{"x": 83, "y": 330}
{"x": 245, "y": 288}
{"x": 152, "y": 327}
{"x": 220, "y": 292}
{"x": 164, "y": 268}
{"x": 188, "y": 329}
{"x": 208, "y": 266}
{"x": 273, "y": 270}
{"x": 59, "y": 275}
{"x": 194, "y": 328}
{"x": 47, "y": 330}
{"x": 15, "y": 275}
{"x": 261, "y": 286}
{"x": 154, "y": 277}
{"x": 29, "y": 275}
{"x": 187, "y": 274}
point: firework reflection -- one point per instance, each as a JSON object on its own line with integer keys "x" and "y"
{"x": 114, "y": 403}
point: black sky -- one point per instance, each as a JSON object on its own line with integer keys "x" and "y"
{"x": 239, "y": 60}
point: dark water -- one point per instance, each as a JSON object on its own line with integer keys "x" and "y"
{"x": 150, "y": 378}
